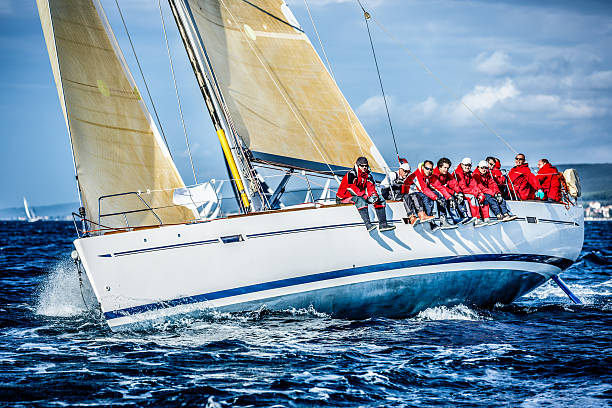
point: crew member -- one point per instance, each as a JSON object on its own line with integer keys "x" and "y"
{"x": 358, "y": 187}
{"x": 548, "y": 177}
{"x": 391, "y": 186}
{"x": 433, "y": 192}
{"x": 493, "y": 196}
{"x": 455, "y": 204}
{"x": 523, "y": 183}
{"x": 413, "y": 201}
{"x": 500, "y": 179}
{"x": 469, "y": 188}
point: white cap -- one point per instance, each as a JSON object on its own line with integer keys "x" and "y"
{"x": 483, "y": 163}
{"x": 466, "y": 160}
{"x": 405, "y": 167}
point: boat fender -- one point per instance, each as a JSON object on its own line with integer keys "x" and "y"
{"x": 573, "y": 182}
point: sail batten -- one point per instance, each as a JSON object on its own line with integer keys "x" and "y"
{"x": 281, "y": 99}
{"x": 116, "y": 145}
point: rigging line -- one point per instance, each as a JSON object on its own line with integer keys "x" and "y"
{"x": 178, "y": 98}
{"x": 331, "y": 73}
{"x": 278, "y": 87}
{"x": 443, "y": 85}
{"x": 143, "y": 77}
{"x": 366, "y": 17}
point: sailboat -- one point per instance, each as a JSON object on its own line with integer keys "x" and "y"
{"x": 30, "y": 215}
{"x": 274, "y": 105}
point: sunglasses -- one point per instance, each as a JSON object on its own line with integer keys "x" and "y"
{"x": 467, "y": 165}
{"x": 519, "y": 158}
{"x": 428, "y": 168}
{"x": 363, "y": 166}
{"x": 482, "y": 167}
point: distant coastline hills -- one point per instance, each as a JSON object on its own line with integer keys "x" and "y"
{"x": 596, "y": 181}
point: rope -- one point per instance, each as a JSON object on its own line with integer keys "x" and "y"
{"x": 143, "y": 77}
{"x": 441, "y": 83}
{"x": 178, "y": 98}
{"x": 331, "y": 73}
{"x": 366, "y": 17}
{"x": 278, "y": 87}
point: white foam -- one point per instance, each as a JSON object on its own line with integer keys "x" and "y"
{"x": 459, "y": 312}
{"x": 60, "y": 293}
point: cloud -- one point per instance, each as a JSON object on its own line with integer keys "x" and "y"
{"x": 497, "y": 63}
{"x": 374, "y": 106}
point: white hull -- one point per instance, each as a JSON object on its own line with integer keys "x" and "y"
{"x": 325, "y": 258}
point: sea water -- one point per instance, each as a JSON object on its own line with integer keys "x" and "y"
{"x": 540, "y": 351}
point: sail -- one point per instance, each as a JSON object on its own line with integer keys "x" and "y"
{"x": 284, "y": 104}
{"x": 29, "y": 214}
{"x": 116, "y": 146}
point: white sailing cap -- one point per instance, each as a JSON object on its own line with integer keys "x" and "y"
{"x": 466, "y": 160}
{"x": 405, "y": 167}
{"x": 483, "y": 163}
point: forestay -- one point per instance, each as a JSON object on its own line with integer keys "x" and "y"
{"x": 284, "y": 104}
{"x": 116, "y": 145}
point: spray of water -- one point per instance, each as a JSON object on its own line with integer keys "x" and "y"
{"x": 60, "y": 293}
{"x": 459, "y": 312}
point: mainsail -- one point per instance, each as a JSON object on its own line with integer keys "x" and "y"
{"x": 283, "y": 102}
{"x": 116, "y": 145}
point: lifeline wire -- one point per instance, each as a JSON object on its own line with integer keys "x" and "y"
{"x": 143, "y": 77}
{"x": 441, "y": 83}
{"x": 366, "y": 17}
{"x": 178, "y": 98}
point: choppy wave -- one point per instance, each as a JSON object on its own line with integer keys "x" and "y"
{"x": 459, "y": 312}
{"x": 540, "y": 351}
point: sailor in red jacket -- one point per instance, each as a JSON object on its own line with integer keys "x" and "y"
{"x": 488, "y": 186}
{"x": 470, "y": 190}
{"x": 522, "y": 181}
{"x": 357, "y": 187}
{"x": 432, "y": 192}
{"x": 498, "y": 176}
{"x": 455, "y": 204}
{"x": 548, "y": 177}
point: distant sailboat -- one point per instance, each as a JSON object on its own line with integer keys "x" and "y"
{"x": 273, "y": 105}
{"x": 30, "y": 212}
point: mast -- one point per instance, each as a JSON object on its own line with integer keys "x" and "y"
{"x": 202, "y": 79}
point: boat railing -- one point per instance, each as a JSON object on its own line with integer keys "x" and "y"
{"x": 125, "y": 213}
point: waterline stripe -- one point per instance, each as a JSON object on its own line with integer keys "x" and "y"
{"x": 561, "y": 263}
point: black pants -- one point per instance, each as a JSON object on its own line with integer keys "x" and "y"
{"x": 413, "y": 204}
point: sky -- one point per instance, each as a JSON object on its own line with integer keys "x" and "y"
{"x": 538, "y": 75}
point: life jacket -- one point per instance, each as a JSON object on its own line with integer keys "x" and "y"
{"x": 465, "y": 182}
{"x": 444, "y": 183}
{"x": 361, "y": 183}
{"x": 523, "y": 182}
{"x": 548, "y": 177}
{"x": 485, "y": 182}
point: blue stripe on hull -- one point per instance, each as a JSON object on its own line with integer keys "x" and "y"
{"x": 561, "y": 263}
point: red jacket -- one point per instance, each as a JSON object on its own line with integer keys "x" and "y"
{"x": 408, "y": 182}
{"x": 360, "y": 182}
{"x": 445, "y": 183}
{"x": 465, "y": 182}
{"x": 524, "y": 183}
{"x": 497, "y": 174}
{"x": 486, "y": 183}
{"x": 428, "y": 184}
{"x": 548, "y": 177}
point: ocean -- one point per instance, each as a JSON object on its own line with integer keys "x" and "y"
{"x": 55, "y": 351}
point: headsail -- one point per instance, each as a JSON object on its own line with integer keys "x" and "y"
{"x": 116, "y": 145}
{"x": 285, "y": 105}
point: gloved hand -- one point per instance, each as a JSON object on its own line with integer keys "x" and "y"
{"x": 452, "y": 203}
{"x": 459, "y": 197}
{"x": 539, "y": 194}
{"x": 481, "y": 198}
{"x": 440, "y": 202}
{"x": 372, "y": 199}
{"x": 499, "y": 198}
